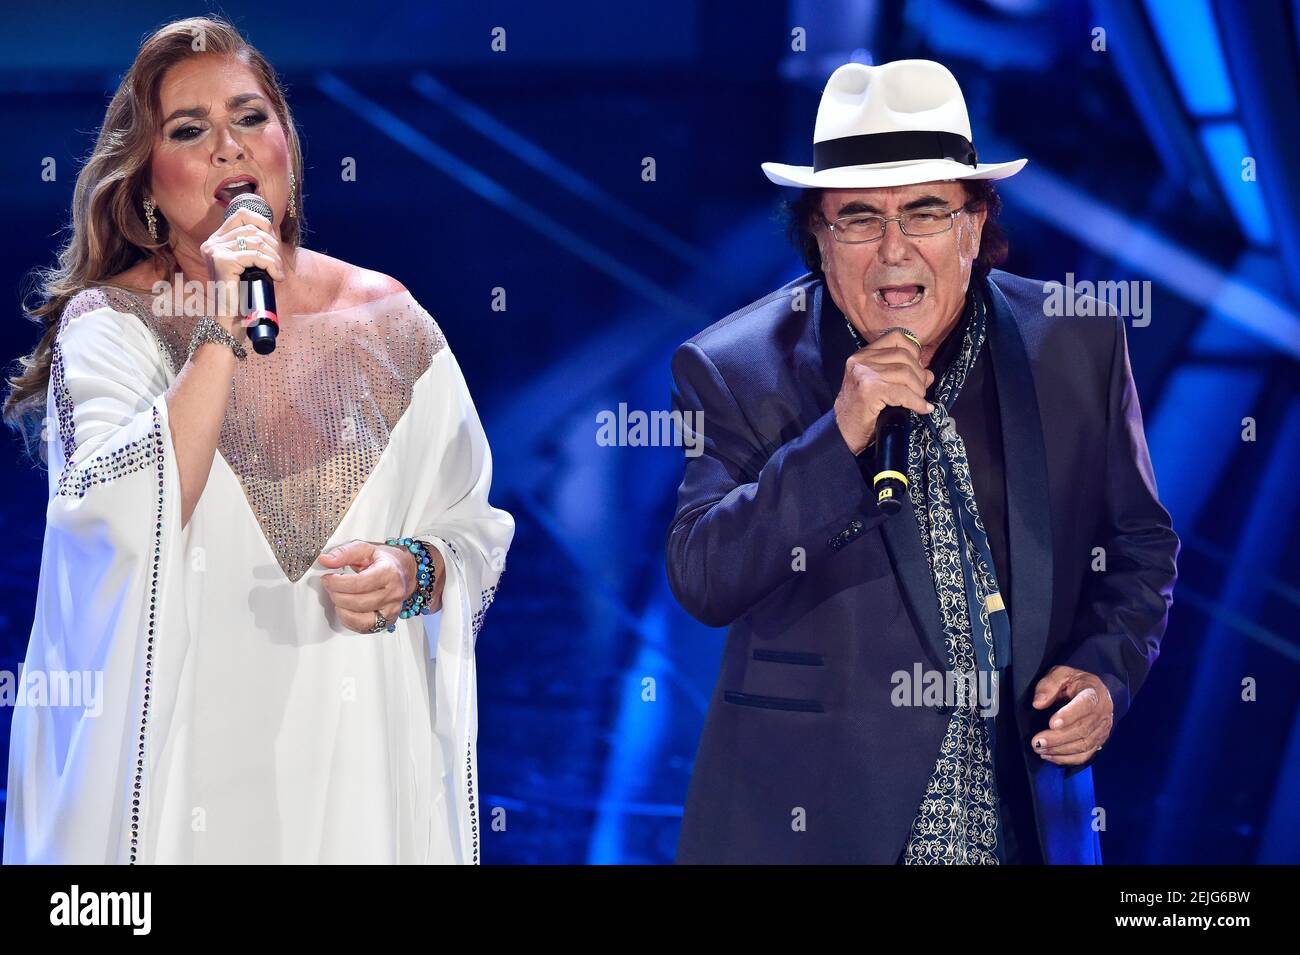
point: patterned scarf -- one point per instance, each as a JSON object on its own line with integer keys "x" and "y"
{"x": 957, "y": 822}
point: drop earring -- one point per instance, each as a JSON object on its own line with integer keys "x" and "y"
{"x": 150, "y": 221}
{"x": 293, "y": 196}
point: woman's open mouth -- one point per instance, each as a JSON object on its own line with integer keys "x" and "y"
{"x": 900, "y": 296}
{"x": 234, "y": 186}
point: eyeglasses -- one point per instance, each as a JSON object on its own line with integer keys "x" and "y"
{"x": 863, "y": 228}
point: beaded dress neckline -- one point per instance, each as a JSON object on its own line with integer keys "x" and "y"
{"x": 307, "y": 424}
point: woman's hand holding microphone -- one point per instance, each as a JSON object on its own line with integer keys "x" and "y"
{"x": 242, "y": 241}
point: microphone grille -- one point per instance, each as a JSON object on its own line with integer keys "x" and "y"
{"x": 253, "y": 203}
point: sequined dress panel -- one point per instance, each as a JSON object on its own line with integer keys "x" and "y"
{"x": 307, "y": 423}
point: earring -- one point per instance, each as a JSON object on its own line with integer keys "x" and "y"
{"x": 293, "y": 197}
{"x": 150, "y": 221}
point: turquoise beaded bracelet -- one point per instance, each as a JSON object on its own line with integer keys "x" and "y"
{"x": 421, "y": 599}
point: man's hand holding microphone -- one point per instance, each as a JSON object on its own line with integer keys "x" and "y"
{"x": 883, "y": 376}
{"x": 886, "y": 373}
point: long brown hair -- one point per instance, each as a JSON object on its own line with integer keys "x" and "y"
{"x": 107, "y": 233}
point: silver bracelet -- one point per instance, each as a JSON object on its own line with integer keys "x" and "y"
{"x": 209, "y": 330}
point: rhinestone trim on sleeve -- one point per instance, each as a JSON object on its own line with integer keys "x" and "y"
{"x": 473, "y": 807}
{"x": 485, "y": 601}
{"x": 137, "y": 787}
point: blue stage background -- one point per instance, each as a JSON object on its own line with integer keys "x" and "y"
{"x": 523, "y": 170}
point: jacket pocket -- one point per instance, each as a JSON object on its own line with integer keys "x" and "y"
{"x": 790, "y": 656}
{"x": 772, "y": 702}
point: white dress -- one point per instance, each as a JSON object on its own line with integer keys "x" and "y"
{"x": 237, "y": 719}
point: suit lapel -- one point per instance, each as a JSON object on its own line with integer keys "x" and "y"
{"x": 1029, "y": 517}
{"x": 912, "y": 570}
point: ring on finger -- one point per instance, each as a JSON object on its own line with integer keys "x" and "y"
{"x": 243, "y": 246}
{"x": 907, "y": 333}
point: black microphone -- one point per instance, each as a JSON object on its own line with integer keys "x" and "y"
{"x": 260, "y": 320}
{"x": 893, "y": 431}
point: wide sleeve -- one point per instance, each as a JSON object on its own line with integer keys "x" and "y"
{"x": 450, "y": 510}
{"x": 735, "y": 533}
{"x": 108, "y": 380}
{"x": 81, "y": 764}
{"x": 1124, "y": 609}
{"x": 455, "y": 515}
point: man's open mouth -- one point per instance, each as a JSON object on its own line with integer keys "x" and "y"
{"x": 900, "y": 296}
{"x": 235, "y": 186}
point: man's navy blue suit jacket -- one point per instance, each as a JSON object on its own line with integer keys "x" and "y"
{"x": 804, "y": 758}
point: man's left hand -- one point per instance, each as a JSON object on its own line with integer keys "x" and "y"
{"x": 1077, "y": 730}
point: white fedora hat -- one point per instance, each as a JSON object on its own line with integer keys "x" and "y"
{"x": 895, "y": 124}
